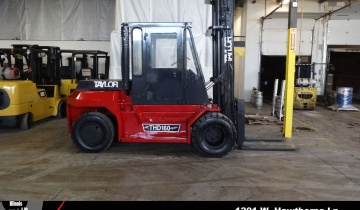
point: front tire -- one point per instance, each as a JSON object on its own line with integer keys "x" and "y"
{"x": 93, "y": 132}
{"x": 213, "y": 135}
{"x": 25, "y": 121}
{"x": 61, "y": 109}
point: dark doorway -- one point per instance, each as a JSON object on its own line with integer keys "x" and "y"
{"x": 272, "y": 67}
{"x": 347, "y": 71}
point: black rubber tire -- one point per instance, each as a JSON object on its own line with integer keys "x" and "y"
{"x": 93, "y": 132}
{"x": 26, "y": 121}
{"x": 61, "y": 109}
{"x": 213, "y": 135}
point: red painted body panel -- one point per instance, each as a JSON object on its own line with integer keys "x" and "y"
{"x": 131, "y": 119}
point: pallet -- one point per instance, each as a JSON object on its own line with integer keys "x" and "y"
{"x": 262, "y": 120}
{"x": 343, "y": 109}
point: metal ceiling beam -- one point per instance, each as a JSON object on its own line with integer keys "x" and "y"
{"x": 239, "y": 3}
{"x": 334, "y": 11}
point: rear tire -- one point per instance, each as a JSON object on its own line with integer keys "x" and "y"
{"x": 93, "y": 132}
{"x": 213, "y": 135}
{"x": 25, "y": 121}
{"x": 61, "y": 109}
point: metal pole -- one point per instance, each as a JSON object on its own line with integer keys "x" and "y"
{"x": 324, "y": 56}
{"x": 274, "y": 97}
{"x": 290, "y": 69}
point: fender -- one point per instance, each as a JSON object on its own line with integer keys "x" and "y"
{"x": 80, "y": 102}
{"x": 201, "y": 112}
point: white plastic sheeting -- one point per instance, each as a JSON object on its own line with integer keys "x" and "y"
{"x": 57, "y": 19}
{"x": 115, "y": 64}
{"x": 12, "y": 19}
{"x": 194, "y": 11}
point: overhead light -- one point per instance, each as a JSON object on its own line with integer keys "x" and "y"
{"x": 282, "y": 1}
{"x": 285, "y": 1}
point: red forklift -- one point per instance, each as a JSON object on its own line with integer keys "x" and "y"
{"x": 162, "y": 97}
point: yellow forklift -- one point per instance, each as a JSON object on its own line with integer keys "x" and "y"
{"x": 30, "y": 91}
{"x": 305, "y": 87}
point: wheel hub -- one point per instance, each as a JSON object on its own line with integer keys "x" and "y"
{"x": 214, "y": 136}
{"x": 92, "y": 134}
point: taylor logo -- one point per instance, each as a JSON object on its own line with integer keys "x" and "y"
{"x": 106, "y": 84}
{"x": 161, "y": 127}
{"x": 228, "y": 52}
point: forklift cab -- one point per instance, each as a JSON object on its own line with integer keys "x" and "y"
{"x": 80, "y": 67}
{"x": 164, "y": 62}
{"x": 85, "y": 71}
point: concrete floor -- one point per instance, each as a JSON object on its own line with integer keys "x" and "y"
{"x": 43, "y": 164}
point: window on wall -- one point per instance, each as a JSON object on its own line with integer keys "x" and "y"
{"x": 57, "y": 19}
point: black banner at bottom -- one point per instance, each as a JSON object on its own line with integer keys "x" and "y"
{"x": 221, "y": 205}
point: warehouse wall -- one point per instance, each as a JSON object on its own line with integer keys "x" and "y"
{"x": 251, "y": 16}
{"x": 271, "y": 38}
{"x": 57, "y": 19}
{"x": 238, "y": 60}
{"x": 344, "y": 32}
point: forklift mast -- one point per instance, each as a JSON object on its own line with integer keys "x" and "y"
{"x": 223, "y": 63}
{"x": 6, "y": 52}
{"x": 49, "y": 74}
{"x": 21, "y": 52}
{"x": 18, "y": 52}
{"x": 223, "y": 66}
{"x": 70, "y": 71}
{"x": 95, "y": 55}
